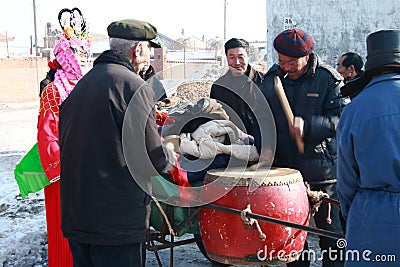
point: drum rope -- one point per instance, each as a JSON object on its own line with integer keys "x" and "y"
{"x": 251, "y": 221}
{"x": 316, "y": 198}
{"x": 171, "y": 230}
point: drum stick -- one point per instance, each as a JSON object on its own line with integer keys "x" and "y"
{"x": 288, "y": 111}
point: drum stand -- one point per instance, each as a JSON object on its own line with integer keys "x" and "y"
{"x": 158, "y": 240}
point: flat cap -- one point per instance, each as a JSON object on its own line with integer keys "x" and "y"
{"x": 132, "y": 29}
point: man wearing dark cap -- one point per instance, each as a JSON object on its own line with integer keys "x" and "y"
{"x": 109, "y": 148}
{"x": 369, "y": 155}
{"x": 238, "y": 90}
{"x": 312, "y": 89}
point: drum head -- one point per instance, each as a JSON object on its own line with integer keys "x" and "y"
{"x": 238, "y": 176}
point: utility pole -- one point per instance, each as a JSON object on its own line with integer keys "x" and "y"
{"x": 8, "y": 52}
{"x": 224, "y": 21}
{"x": 34, "y": 25}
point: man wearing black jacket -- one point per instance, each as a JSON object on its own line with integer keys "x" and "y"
{"x": 239, "y": 93}
{"x": 109, "y": 148}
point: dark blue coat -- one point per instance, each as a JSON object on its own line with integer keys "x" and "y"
{"x": 315, "y": 98}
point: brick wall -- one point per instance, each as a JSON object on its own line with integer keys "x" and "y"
{"x": 20, "y": 78}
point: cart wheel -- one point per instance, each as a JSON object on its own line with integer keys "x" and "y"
{"x": 203, "y": 251}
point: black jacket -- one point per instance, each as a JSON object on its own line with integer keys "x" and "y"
{"x": 101, "y": 202}
{"x": 316, "y": 98}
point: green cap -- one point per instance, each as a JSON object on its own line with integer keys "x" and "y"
{"x": 132, "y": 29}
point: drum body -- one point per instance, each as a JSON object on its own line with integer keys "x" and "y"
{"x": 278, "y": 193}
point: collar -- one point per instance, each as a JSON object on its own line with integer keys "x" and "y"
{"x": 113, "y": 56}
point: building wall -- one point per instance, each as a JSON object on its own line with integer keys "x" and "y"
{"x": 337, "y": 26}
{"x": 20, "y": 78}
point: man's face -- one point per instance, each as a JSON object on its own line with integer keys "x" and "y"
{"x": 344, "y": 71}
{"x": 141, "y": 59}
{"x": 237, "y": 58}
{"x": 294, "y": 67}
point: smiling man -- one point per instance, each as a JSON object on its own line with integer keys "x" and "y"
{"x": 236, "y": 89}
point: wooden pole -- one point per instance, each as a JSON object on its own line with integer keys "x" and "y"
{"x": 288, "y": 111}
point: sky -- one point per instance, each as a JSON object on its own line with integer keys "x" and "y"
{"x": 244, "y": 19}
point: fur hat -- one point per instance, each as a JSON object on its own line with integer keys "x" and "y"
{"x": 294, "y": 43}
{"x": 383, "y": 48}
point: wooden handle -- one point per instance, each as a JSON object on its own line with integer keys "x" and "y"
{"x": 288, "y": 111}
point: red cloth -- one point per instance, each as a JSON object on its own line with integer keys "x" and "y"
{"x": 163, "y": 118}
{"x": 59, "y": 253}
{"x": 179, "y": 177}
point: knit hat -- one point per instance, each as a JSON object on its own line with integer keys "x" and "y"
{"x": 294, "y": 43}
{"x": 132, "y": 29}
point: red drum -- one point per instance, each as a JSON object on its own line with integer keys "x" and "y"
{"x": 278, "y": 193}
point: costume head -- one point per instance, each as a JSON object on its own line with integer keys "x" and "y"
{"x": 132, "y": 29}
{"x": 383, "y": 55}
{"x": 73, "y": 39}
{"x": 294, "y": 43}
{"x": 235, "y": 42}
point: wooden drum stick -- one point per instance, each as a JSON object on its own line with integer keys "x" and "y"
{"x": 288, "y": 111}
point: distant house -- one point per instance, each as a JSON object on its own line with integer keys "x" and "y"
{"x": 4, "y": 44}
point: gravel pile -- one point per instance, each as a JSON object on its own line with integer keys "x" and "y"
{"x": 194, "y": 90}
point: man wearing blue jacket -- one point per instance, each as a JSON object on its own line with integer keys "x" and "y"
{"x": 369, "y": 156}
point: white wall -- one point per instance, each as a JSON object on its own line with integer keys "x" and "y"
{"x": 337, "y": 26}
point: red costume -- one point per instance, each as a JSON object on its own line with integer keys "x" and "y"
{"x": 68, "y": 71}
{"x": 59, "y": 253}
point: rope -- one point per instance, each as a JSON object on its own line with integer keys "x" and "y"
{"x": 171, "y": 230}
{"x": 251, "y": 221}
{"x": 316, "y": 198}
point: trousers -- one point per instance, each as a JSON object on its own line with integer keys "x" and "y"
{"x": 90, "y": 255}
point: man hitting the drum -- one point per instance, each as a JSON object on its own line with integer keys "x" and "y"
{"x": 312, "y": 89}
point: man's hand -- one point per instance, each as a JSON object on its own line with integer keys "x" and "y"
{"x": 296, "y": 131}
{"x": 266, "y": 159}
{"x": 297, "y": 128}
{"x": 266, "y": 155}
